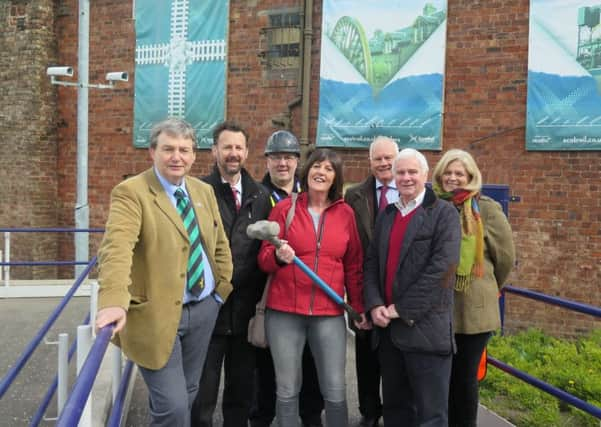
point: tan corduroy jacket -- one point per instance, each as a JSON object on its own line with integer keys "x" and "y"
{"x": 143, "y": 260}
{"x": 477, "y": 309}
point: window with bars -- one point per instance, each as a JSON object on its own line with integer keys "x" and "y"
{"x": 282, "y": 45}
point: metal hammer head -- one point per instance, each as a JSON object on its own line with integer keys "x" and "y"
{"x": 264, "y": 230}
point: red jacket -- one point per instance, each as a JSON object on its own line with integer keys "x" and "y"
{"x": 337, "y": 259}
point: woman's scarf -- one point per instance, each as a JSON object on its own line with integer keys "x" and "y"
{"x": 471, "y": 258}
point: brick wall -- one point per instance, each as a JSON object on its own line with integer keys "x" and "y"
{"x": 557, "y": 222}
{"x": 28, "y": 193}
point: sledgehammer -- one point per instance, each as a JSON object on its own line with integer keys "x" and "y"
{"x": 269, "y": 230}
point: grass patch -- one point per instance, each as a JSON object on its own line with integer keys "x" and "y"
{"x": 571, "y": 365}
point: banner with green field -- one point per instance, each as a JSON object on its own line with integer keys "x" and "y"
{"x": 382, "y": 73}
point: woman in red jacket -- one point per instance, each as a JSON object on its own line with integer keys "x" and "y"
{"x": 323, "y": 234}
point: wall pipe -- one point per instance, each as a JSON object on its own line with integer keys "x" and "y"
{"x": 306, "y": 77}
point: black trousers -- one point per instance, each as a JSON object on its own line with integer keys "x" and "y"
{"x": 463, "y": 393}
{"x": 367, "y": 366}
{"x": 415, "y": 386}
{"x": 310, "y": 399}
{"x": 239, "y": 358}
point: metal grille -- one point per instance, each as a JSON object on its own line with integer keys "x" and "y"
{"x": 282, "y": 45}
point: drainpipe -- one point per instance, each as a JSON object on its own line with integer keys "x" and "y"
{"x": 306, "y": 78}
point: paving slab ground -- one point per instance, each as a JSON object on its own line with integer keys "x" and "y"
{"x": 138, "y": 412}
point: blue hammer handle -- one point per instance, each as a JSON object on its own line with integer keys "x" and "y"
{"x": 327, "y": 289}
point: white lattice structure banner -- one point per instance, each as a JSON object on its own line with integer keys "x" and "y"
{"x": 181, "y": 54}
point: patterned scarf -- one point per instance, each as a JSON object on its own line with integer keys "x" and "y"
{"x": 471, "y": 258}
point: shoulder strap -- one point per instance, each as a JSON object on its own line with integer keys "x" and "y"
{"x": 290, "y": 215}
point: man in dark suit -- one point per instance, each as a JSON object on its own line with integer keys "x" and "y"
{"x": 165, "y": 306}
{"x": 409, "y": 275}
{"x": 242, "y": 201}
{"x": 366, "y": 199}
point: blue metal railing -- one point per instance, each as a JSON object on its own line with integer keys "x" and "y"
{"x": 76, "y": 402}
{"x": 34, "y": 263}
{"x": 51, "y": 230}
{"x": 546, "y": 387}
{"x": 74, "y": 407}
{"x": 46, "y": 230}
{"x": 118, "y": 405}
{"x": 571, "y": 305}
{"x": 593, "y": 410}
{"x": 29, "y": 349}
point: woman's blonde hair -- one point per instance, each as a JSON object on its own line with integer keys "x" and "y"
{"x": 475, "y": 177}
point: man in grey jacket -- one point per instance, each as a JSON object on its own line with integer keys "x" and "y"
{"x": 408, "y": 290}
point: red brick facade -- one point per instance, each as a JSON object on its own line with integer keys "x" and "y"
{"x": 557, "y": 223}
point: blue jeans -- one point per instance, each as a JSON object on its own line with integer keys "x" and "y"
{"x": 326, "y": 335}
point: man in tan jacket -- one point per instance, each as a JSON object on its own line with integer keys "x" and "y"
{"x": 164, "y": 313}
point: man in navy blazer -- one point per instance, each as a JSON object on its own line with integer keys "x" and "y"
{"x": 408, "y": 289}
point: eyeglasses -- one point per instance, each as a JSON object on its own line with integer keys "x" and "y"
{"x": 170, "y": 150}
{"x": 279, "y": 157}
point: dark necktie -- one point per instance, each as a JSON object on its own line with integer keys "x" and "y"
{"x": 383, "y": 201}
{"x": 236, "y": 201}
{"x": 196, "y": 265}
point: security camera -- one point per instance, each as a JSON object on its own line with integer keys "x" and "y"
{"x": 117, "y": 76}
{"x": 60, "y": 71}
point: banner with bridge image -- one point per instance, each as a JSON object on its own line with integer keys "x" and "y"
{"x": 181, "y": 48}
{"x": 564, "y": 76}
{"x": 382, "y": 72}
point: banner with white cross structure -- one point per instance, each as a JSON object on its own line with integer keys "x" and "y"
{"x": 181, "y": 63}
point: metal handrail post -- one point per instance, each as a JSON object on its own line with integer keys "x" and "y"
{"x": 117, "y": 370}
{"x": 39, "y": 415}
{"x": 84, "y": 343}
{"x": 7, "y": 258}
{"x": 502, "y": 310}
{"x": 63, "y": 371}
{"x": 84, "y": 382}
{"x": 93, "y": 303}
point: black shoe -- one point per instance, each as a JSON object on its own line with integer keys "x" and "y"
{"x": 369, "y": 421}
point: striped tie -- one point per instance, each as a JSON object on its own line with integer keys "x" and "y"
{"x": 195, "y": 280}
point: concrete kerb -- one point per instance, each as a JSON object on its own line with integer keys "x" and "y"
{"x": 487, "y": 418}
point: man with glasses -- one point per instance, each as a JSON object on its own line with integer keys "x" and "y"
{"x": 283, "y": 152}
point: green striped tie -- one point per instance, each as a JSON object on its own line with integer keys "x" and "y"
{"x": 196, "y": 265}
